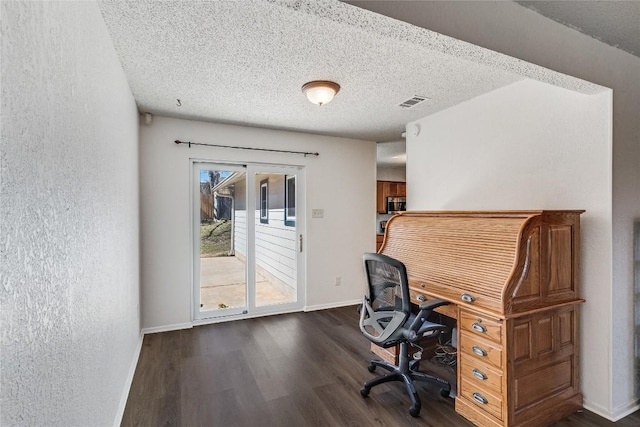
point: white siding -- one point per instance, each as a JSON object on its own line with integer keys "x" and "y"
{"x": 240, "y": 233}
{"x": 275, "y": 244}
{"x": 276, "y": 247}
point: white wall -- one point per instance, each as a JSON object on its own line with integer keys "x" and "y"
{"x": 509, "y": 28}
{"x": 391, "y": 173}
{"x": 530, "y": 146}
{"x": 341, "y": 181}
{"x": 69, "y": 209}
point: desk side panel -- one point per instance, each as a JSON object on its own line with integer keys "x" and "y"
{"x": 543, "y": 366}
{"x": 547, "y": 271}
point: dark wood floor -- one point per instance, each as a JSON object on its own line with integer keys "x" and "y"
{"x": 302, "y": 369}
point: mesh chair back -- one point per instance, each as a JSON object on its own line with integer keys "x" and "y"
{"x": 387, "y": 307}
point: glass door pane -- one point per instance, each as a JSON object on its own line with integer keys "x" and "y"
{"x": 222, "y": 245}
{"x": 276, "y": 237}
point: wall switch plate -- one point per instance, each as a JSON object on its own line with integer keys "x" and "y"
{"x": 338, "y": 280}
{"x": 317, "y": 213}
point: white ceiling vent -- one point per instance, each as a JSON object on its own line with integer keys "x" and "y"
{"x": 413, "y": 101}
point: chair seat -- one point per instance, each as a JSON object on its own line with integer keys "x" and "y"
{"x": 426, "y": 327}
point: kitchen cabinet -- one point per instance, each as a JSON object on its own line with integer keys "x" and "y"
{"x": 381, "y": 198}
{"x": 386, "y": 189}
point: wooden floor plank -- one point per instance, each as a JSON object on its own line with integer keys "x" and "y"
{"x": 283, "y": 414}
{"x": 300, "y": 369}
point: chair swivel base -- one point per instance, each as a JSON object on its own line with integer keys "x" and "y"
{"x": 404, "y": 372}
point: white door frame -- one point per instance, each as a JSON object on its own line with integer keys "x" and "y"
{"x": 250, "y": 309}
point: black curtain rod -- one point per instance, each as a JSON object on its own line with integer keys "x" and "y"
{"x": 304, "y": 153}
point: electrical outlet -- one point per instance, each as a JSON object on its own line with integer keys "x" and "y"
{"x": 317, "y": 213}
{"x": 338, "y": 281}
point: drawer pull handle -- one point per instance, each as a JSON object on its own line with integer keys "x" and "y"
{"x": 467, "y": 298}
{"x": 479, "y": 374}
{"x": 479, "y": 328}
{"x": 421, "y": 298}
{"x": 480, "y": 398}
{"x": 479, "y": 351}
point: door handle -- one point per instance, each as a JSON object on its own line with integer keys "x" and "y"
{"x": 301, "y": 243}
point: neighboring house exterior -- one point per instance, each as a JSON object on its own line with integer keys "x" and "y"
{"x": 274, "y": 219}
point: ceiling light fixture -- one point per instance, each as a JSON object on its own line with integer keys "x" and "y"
{"x": 320, "y": 92}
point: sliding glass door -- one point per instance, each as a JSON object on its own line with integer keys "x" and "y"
{"x": 248, "y": 241}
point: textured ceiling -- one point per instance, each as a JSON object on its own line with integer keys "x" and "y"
{"x": 616, "y": 23}
{"x": 244, "y": 62}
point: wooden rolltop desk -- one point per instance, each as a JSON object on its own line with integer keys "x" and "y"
{"x": 512, "y": 278}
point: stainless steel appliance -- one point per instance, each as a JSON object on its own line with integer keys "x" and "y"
{"x": 396, "y": 204}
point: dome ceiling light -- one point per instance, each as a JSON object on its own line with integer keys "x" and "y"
{"x": 320, "y": 92}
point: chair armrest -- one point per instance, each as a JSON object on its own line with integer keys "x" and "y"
{"x": 425, "y": 309}
{"x": 430, "y": 305}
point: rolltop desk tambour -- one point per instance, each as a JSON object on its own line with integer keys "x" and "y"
{"x": 512, "y": 279}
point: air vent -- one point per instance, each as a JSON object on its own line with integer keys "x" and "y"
{"x": 413, "y": 101}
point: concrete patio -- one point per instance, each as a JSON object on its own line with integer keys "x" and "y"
{"x": 222, "y": 281}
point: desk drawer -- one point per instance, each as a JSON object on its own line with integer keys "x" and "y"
{"x": 480, "y": 375}
{"x": 479, "y": 349}
{"x": 480, "y": 325}
{"x": 482, "y": 398}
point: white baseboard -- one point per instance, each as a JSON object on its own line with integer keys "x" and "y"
{"x": 127, "y": 385}
{"x": 167, "y": 328}
{"x": 596, "y": 409}
{"x": 615, "y": 415}
{"x": 623, "y": 410}
{"x": 332, "y": 305}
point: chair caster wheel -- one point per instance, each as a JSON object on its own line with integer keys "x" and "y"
{"x": 364, "y": 392}
{"x": 414, "y": 412}
{"x": 444, "y": 392}
{"x": 414, "y": 365}
{"x": 371, "y": 368}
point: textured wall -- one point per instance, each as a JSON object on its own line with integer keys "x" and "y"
{"x": 69, "y": 218}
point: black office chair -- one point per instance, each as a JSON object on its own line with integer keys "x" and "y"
{"x": 386, "y": 320}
